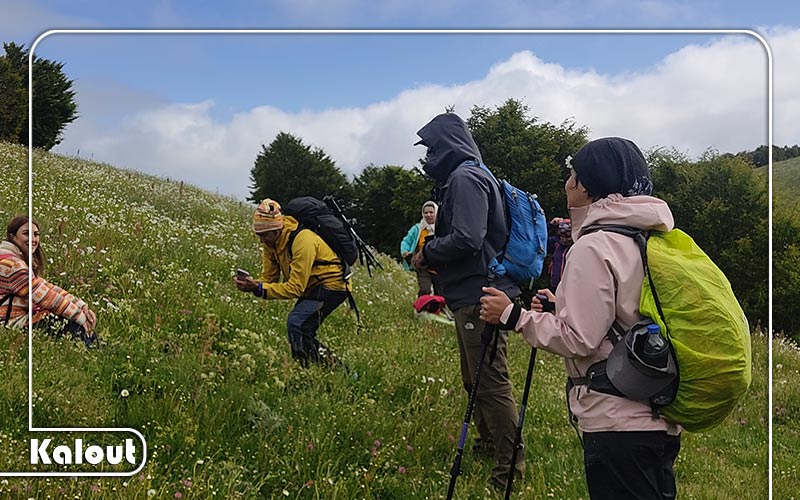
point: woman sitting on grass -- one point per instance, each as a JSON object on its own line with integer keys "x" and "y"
{"x": 48, "y": 299}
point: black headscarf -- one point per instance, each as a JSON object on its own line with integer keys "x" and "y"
{"x": 612, "y": 165}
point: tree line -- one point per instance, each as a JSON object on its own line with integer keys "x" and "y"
{"x": 760, "y": 156}
{"x": 719, "y": 199}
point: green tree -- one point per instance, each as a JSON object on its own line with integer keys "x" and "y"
{"x": 760, "y": 157}
{"x": 387, "y": 201}
{"x": 14, "y": 95}
{"x": 412, "y": 190}
{"x": 287, "y": 168}
{"x": 527, "y": 152}
{"x": 722, "y": 203}
{"x": 53, "y": 98}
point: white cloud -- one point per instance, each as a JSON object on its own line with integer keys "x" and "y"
{"x": 785, "y": 45}
{"x": 702, "y": 96}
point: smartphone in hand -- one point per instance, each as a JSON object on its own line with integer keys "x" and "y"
{"x": 242, "y": 274}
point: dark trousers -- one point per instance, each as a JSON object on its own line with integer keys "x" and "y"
{"x": 424, "y": 282}
{"x": 495, "y": 412}
{"x": 630, "y": 465}
{"x": 59, "y": 327}
{"x": 304, "y": 321}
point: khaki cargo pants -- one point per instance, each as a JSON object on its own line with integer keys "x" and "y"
{"x": 496, "y": 412}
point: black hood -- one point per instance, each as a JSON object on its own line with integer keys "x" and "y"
{"x": 449, "y": 144}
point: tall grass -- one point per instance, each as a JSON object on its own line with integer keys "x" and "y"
{"x": 786, "y": 415}
{"x": 202, "y": 370}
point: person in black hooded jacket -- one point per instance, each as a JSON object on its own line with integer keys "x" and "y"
{"x": 471, "y": 229}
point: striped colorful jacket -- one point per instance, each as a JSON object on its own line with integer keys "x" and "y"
{"x": 47, "y": 297}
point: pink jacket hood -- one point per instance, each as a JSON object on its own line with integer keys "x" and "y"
{"x": 644, "y": 212}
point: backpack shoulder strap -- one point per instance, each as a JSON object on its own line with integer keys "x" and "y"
{"x": 640, "y": 236}
{"x": 486, "y": 169}
{"x": 506, "y": 211}
{"x": 292, "y": 237}
{"x": 345, "y": 268}
{"x": 10, "y": 298}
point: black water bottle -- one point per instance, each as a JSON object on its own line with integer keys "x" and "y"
{"x": 656, "y": 351}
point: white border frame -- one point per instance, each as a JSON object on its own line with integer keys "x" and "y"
{"x": 44, "y": 35}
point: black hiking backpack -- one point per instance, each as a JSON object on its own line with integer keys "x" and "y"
{"x": 317, "y": 216}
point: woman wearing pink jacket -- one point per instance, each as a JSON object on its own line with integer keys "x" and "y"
{"x": 629, "y": 450}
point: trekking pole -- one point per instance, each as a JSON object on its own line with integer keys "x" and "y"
{"x": 455, "y": 470}
{"x": 520, "y": 421}
{"x": 363, "y": 249}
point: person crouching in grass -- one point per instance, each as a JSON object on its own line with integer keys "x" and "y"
{"x": 311, "y": 272}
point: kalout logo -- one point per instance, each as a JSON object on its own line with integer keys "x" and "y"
{"x": 41, "y": 453}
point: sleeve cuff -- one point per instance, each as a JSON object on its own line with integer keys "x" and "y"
{"x": 510, "y": 317}
{"x": 259, "y": 292}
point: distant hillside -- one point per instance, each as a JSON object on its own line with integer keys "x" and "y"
{"x": 203, "y": 370}
{"x": 786, "y": 183}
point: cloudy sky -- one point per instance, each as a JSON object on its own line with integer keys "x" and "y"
{"x": 199, "y": 107}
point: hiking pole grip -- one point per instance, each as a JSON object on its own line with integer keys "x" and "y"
{"x": 520, "y": 422}
{"x": 455, "y": 470}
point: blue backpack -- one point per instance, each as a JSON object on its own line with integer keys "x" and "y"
{"x": 523, "y": 256}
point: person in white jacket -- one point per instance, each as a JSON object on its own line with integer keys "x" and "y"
{"x": 629, "y": 450}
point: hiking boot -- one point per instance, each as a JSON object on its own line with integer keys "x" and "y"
{"x": 497, "y": 484}
{"x": 500, "y": 484}
{"x": 333, "y": 363}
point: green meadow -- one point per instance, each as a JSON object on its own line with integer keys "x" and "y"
{"x": 786, "y": 357}
{"x": 203, "y": 372}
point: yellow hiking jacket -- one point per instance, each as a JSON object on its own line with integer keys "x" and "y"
{"x": 312, "y": 263}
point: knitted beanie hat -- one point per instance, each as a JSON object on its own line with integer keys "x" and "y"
{"x": 267, "y": 216}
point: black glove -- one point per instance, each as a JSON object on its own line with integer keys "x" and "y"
{"x": 547, "y": 306}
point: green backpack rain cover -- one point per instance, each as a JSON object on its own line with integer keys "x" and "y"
{"x": 706, "y": 326}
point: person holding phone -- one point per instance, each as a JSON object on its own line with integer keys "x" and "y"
{"x": 311, "y": 273}
{"x": 557, "y": 248}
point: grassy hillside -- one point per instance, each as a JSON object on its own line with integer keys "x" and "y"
{"x": 202, "y": 370}
{"x": 786, "y": 358}
{"x": 785, "y": 183}
{"x": 786, "y": 415}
